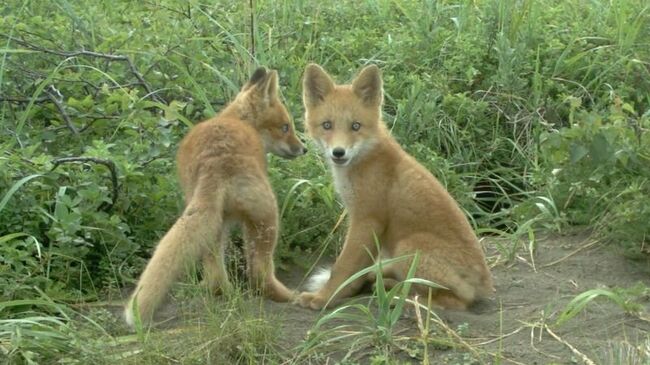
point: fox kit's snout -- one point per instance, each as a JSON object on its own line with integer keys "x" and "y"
{"x": 338, "y": 155}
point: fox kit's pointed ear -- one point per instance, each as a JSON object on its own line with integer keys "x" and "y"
{"x": 269, "y": 87}
{"x": 263, "y": 84}
{"x": 256, "y": 77}
{"x": 368, "y": 86}
{"x": 316, "y": 84}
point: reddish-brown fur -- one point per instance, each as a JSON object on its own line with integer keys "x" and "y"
{"x": 222, "y": 170}
{"x": 390, "y": 198}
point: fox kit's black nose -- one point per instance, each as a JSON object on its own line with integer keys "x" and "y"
{"x": 296, "y": 151}
{"x": 338, "y": 152}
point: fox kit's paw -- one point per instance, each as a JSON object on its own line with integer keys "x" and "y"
{"x": 303, "y": 299}
{"x": 277, "y": 292}
{"x": 293, "y": 296}
{"x": 310, "y": 300}
{"x": 218, "y": 289}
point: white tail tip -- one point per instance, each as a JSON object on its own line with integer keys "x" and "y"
{"x": 318, "y": 279}
{"x": 129, "y": 318}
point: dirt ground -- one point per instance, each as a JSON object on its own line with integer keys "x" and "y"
{"x": 510, "y": 326}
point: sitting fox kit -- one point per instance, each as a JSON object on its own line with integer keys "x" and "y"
{"x": 390, "y": 198}
{"x": 222, "y": 170}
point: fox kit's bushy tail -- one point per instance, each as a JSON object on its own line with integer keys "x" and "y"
{"x": 183, "y": 245}
{"x": 318, "y": 279}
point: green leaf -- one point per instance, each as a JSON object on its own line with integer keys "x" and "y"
{"x": 577, "y": 152}
{"x": 600, "y": 149}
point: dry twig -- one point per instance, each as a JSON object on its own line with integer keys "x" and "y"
{"x": 57, "y": 99}
{"x": 571, "y": 254}
{"x": 575, "y": 351}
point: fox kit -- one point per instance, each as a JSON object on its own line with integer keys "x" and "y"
{"x": 390, "y": 198}
{"x": 222, "y": 170}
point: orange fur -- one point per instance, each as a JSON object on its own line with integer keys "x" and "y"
{"x": 390, "y": 196}
{"x": 222, "y": 170}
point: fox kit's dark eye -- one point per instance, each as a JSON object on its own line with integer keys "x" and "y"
{"x": 327, "y": 124}
{"x": 285, "y": 128}
{"x": 356, "y": 126}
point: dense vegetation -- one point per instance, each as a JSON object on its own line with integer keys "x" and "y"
{"x": 534, "y": 114}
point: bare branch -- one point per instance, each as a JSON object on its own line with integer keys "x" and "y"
{"x": 108, "y": 56}
{"x": 13, "y": 99}
{"x": 57, "y": 100}
{"x": 108, "y": 163}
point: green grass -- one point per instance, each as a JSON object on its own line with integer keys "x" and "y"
{"x": 228, "y": 330}
{"x": 534, "y": 115}
{"x": 627, "y": 299}
{"x": 369, "y": 327}
{"x": 627, "y": 353}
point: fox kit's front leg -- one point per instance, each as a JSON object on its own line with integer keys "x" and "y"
{"x": 358, "y": 253}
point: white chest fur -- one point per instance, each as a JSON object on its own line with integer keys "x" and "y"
{"x": 343, "y": 184}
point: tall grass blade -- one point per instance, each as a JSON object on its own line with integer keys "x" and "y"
{"x": 15, "y": 188}
{"x": 578, "y": 303}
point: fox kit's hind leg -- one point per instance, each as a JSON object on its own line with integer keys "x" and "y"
{"x": 215, "y": 275}
{"x": 260, "y": 240}
{"x": 260, "y": 229}
{"x": 442, "y": 264}
{"x": 183, "y": 245}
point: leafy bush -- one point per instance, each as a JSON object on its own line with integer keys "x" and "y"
{"x": 599, "y": 171}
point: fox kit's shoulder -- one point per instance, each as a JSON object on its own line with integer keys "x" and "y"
{"x": 224, "y": 134}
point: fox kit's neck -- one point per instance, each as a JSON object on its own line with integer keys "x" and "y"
{"x": 343, "y": 184}
{"x": 233, "y": 111}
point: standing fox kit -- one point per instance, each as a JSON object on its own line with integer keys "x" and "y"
{"x": 222, "y": 170}
{"x": 390, "y": 198}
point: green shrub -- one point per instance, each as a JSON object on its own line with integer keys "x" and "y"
{"x": 598, "y": 171}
